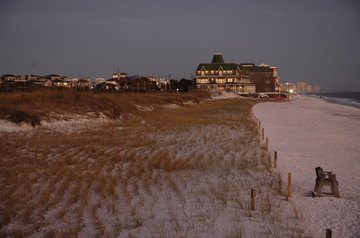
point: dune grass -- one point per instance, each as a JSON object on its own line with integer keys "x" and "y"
{"x": 33, "y": 107}
{"x": 165, "y": 172}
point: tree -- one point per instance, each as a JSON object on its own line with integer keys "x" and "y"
{"x": 184, "y": 85}
{"x": 173, "y": 84}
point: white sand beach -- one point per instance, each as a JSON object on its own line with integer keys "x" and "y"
{"x": 309, "y": 132}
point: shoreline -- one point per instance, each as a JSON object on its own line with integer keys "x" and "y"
{"x": 308, "y": 132}
{"x": 351, "y": 99}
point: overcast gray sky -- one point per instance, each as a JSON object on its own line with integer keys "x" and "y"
{"x": 312, "y": 41}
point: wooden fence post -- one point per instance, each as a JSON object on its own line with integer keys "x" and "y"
{"x": 253, "y": 195}
{"x": 328, "y": 233}
{"x": 267, "y": 144}
{"x": 289, "y": 184}
{"x": 259, "y": 124}
{"x": 275, "y": 159}
{"x": 262, "y": 134}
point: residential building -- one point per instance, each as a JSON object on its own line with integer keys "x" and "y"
{"x": 119, "y": 75}
{"x": 9, "y": 77}
{"x": 263, "y": 76}
{"x": 82, "y": 83}
{"x": 53, "y": 77}
{"x": 223, "y": 76}
{"x": 99, "y": 80}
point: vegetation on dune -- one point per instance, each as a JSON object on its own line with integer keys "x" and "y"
{"x": 33, "y": 107}
{"x": 167, "y": 172}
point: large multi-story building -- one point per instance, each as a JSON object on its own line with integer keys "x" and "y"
{"x": 263, "y": 76}
{"x": 238, "y": 78}
{"x": 223, "y": 76}
{"x": 301, "y": 87}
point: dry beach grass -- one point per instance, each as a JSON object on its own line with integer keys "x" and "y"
{"x": 34, "y": 107}
{"x": 183, "y": 171}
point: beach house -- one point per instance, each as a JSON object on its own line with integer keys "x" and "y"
{"x": 245, "y": 78}
{"x": 219, "y": 75}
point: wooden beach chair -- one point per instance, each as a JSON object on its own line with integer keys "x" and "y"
{"x": 325, "y": 178}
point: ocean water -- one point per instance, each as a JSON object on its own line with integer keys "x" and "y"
{"x": 343, "y": 98}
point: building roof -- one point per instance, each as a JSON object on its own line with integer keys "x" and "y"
{"x": 216, "y": 66}
{"x": 247, "y": 65}
{"x": 218, "y": 58}
{"x": 120, "y": 73}
{"x": 256, "y": 69}
{"x": 218, "y": 62}
{"x": 52, "y": 75}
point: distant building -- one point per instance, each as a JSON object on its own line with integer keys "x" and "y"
{"x": 304, "y": 87}
{"x": 301, "y": 87}
{"x": 30, "y": 80}
{"x": 316, "y": 89}
{"x": 223, "y": 76}
{"x": 83, "y": 83}
{"x": 99, "y": 80}
{"x": 52, "y": 77}
{"x": 308, "y": 88}
{"x": 242, "y": 78}
{"x": 119, "y": 75}
{"x": 263, "y": 76}
{"x": 287, "y": 87}
{"x": 9, "y": 77}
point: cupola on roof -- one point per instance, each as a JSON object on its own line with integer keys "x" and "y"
{"x": 218, "y": 58}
